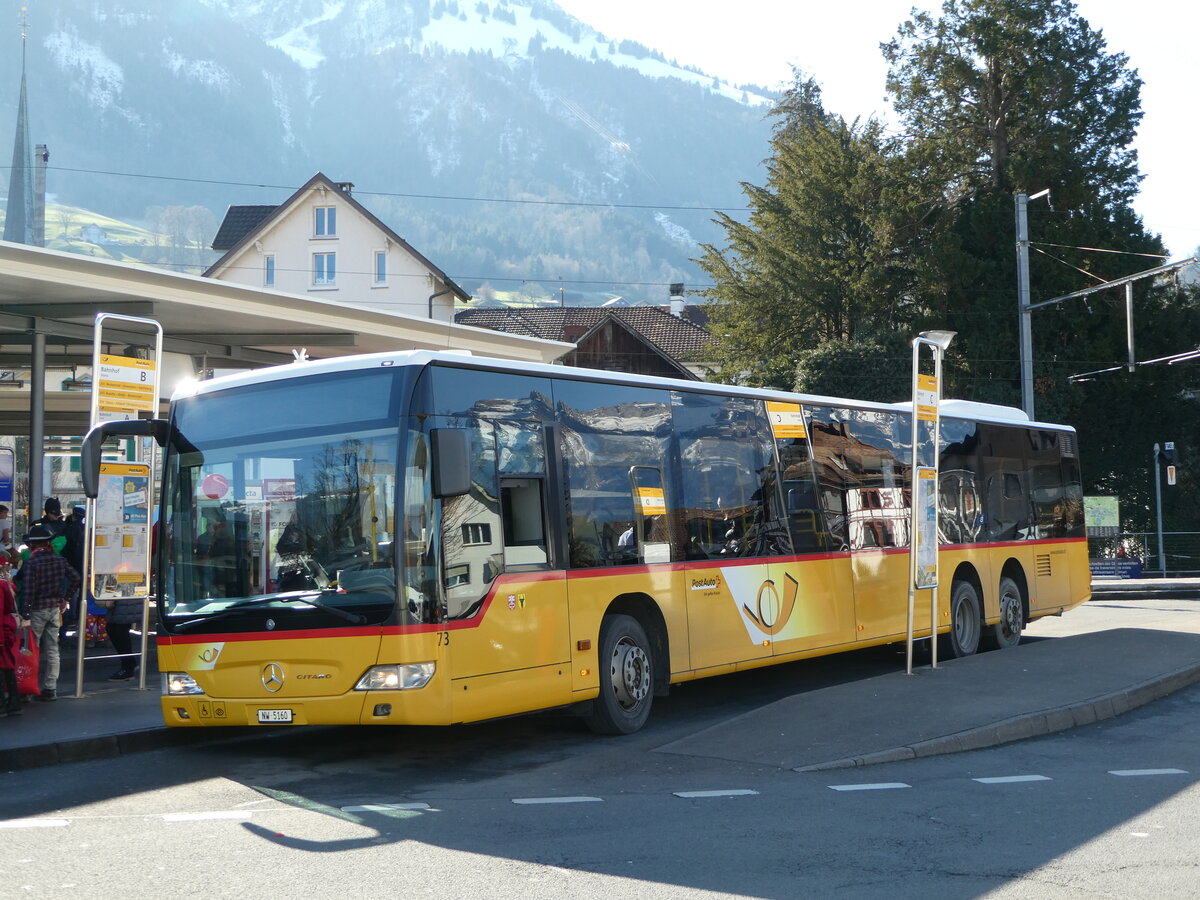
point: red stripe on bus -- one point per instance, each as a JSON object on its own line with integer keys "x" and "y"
{"x": 503, "y": 582}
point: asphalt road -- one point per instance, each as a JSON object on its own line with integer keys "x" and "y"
{"x": 536, "y": 807}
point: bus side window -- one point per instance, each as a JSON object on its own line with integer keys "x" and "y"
{"x": 521, "y": 510}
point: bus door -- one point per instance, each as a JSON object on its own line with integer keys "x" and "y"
{"x": 863, "y": 454}
{"x": 727, "y": 466}
{"x": 503, "y": 576}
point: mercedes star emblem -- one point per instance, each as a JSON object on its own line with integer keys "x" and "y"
{"x": 272, "y": 677}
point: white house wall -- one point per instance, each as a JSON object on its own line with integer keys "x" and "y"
{"x": 292, "y": 242}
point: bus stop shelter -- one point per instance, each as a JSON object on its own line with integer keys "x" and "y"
{"x": 49, "y": 300}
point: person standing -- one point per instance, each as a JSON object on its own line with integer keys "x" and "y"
{"x": 8, "y": 650}
{"x": 75, "y": 533}
{"x": 52, "y": 517}
{"x": 7, "y": 553}
{"x": 47, "y": 580}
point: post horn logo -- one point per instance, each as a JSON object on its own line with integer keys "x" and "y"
{"x": 773, "y": 613}
{"x": 272, "y": 677}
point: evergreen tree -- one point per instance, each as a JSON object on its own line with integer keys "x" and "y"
{"x": 1007, "y": 96}
{"x": 816, "y": 260}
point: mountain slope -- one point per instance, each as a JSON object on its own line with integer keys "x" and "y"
{"x": 415, "y": 103}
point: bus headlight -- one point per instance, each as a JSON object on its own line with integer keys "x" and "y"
{"x": 180, "y": 683}
{"x": 406, "y": 677}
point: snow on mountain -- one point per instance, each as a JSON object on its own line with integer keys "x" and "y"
{"x": 506, "y": 29}
{"x": 98, "y": 77}
{"x": 486, "y": 29}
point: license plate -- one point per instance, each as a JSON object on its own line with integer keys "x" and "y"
{"x": 274, "y": 715}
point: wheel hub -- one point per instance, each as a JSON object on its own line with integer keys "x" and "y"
{"x": 630, "y": 673}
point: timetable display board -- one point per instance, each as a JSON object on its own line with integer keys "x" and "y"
{"x": 121, "y": 528}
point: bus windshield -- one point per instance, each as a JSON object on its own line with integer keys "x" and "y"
{"x": 289, "y": 525}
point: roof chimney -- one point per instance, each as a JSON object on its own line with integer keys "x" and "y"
{"x": 677, "y": 302}
{"x": 346, "y": 187}
{"x": 41, "y": 156}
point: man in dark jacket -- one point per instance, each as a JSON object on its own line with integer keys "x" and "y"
{"x": 75, "y": 533}
{"x": 52, "y": 517}
{"x": 46, "y": 581}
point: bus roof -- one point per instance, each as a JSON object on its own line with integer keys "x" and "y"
{"x": 950, "y": 408}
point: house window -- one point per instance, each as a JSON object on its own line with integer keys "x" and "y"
{"x": 324, "y": 269}
{"x": 380, "y": 266}
{"x": 477, "y": 533}
{"x": 457, "y": 576}
{"x": 325, "y": 221}
{"x": 269, "y": 271}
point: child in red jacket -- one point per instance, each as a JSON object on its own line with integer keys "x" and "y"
{"x": 8, "y": 648}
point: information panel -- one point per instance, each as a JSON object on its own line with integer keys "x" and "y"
{"x": 927, "y": 540}
{"x": 126, "y": 385}
{"x": 121, "y": 561}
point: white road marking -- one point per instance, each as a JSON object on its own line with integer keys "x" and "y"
{"x": 205, "y": 816}
{"x": 878, "y": 786}
{"x": 705, "y": 794}
{"x": 1127, "y": 772}
{"x": 529, "y": 801}
{"x": 1011, "y": 779}
{"x": 34, "y": 823}
{"x": 384, "y": 807}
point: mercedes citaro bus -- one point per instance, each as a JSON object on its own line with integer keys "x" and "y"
{"x": 433, "y": 538}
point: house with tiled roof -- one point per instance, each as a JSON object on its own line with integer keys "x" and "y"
{"x": 324, "y": 243}
{"x": 645, "y": 340}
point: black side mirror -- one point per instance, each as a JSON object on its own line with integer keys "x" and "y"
{"x": 89, "y": 454}
{"x": 450, "y": 449}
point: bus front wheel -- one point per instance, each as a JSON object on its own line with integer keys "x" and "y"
{"x": 966, "y": 622}
{"x": 1006, "y": 633}
{"x": 626, "y": 678}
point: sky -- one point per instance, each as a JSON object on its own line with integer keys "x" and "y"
{"x": 758, "y": 41}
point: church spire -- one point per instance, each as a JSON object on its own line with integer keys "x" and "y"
{"x": 18, "y": 218}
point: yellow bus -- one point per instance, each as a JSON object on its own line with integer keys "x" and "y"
{"x": 430, "y": 538}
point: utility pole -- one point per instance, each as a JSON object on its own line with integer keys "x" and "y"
{"x": 1025, "y": 325}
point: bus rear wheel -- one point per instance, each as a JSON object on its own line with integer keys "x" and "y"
{"x": 1006, "y": 633}
{"x": 966, "y": 622}
{"x": 626, "y": 678}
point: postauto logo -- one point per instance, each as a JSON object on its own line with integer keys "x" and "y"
{"x": 709, "y": 581}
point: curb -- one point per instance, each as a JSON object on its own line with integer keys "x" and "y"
{"x": 107, "y": 746}
{"x": 1036, "y": 724}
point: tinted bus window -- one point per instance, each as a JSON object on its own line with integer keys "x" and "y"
{"x": 960, "y": 507}
{"x": 864, "y": 464}
{"x": 1055, "y": 492}
{"x": 1005, "y": 490}
{"x": 730, "y": 504}
{"x": 607, "y": 432}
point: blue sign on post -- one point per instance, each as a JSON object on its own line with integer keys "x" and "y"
{"x": 7, "y": 468}
{"x": 1114, "y": 567}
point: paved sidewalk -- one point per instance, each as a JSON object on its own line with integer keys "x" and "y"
{"x": 1037, "y": 688}
{"x": 1048, "y": 685}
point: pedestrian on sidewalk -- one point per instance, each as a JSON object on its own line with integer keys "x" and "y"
{"x": 52, "y": 518}
{"x": 46, "y": 581}
{"x": 8, "y": 649}
{"x": 7, "y": 553}
{"x": 75, "y": 531}
{"x": 124, "y": 614}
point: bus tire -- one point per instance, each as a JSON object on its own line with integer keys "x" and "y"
{"x": 626, "y": 667}
{"x": 1006, "y": 633}
{"x": 966, "y": 620}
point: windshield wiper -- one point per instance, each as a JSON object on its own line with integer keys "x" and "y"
{"x": 312, "y": 598}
